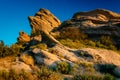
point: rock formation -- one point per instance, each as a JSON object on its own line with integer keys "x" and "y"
{"x": 97, "y": 22}
{"x": 94, "y": 23}
{"x": 23, "y": 37}
{"x": 44, "y": 22}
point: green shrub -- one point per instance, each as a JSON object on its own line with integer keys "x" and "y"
{"x": 45, "y": 73}
{"x": 72, "y": 33}
{"x": 86, "y": 64}
{"x": 42, "y": 46}
{"x": 88, "y": 77}
{"x": 93, "y": 77}
{"x": 13, "y": 75}
{"x": 109, "y": 77}
{"x": 91, "y": 43}
{"x": 72, "y": 44}
{"x": 16, "y": 49}
{"x": 106, "y": 40}
{"x": 39, "y": 74}
{"x": 13, "y": 50}
{"x": 35, "y": 33}
{"x": 64, "y": 67}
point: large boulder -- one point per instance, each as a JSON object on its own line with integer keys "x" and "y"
{"x": 44, "y": 21}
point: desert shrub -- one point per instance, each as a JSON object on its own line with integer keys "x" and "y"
{"x": 93, "y": 77}
{"x": 35, "y": 33}
{"x": 72, "y": 33}
{"x": 109, "y": 77}
{"x": 56, "y": 52}
{"x": 72, "y": 44}
{"x": 107, "y": 41}
{"x": 64, "y": 67}
{"x": 53, "y": 51}
{"x": 13, "y": 75}
{"x": 27, "y": 59}
{"x": 45, "y": 73}
{"x": 12, "y": 50}
{"x": 88, "y": 77}
{"x": 42, "y": 46}
{"x": 41, "y": 74}
{"x": 86, "y": 64}
{"x": 4, "y": 75}
{"x": 16, "y": 49}
{"x": 91, "y": 43}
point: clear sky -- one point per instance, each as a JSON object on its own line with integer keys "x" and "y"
{"x": 14, "y": 13}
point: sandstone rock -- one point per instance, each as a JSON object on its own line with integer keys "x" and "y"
{"x": 23, "y": 37}
{"x": 18, "y": 66}
{"x": 106, "y": 14}
{"x": 96, "y": 23}
{"x": 44, "y": 57}
{"x": 44, "y": 21}
{"x": 36, "y": 39}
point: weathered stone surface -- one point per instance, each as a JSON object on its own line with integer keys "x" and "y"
{"x": 44, "y": 21}
{"x": 21, "y": 66}
{"x": 36, "y": 40}
{"x": 23, "y": 37}
{"x": 96, "y": 23}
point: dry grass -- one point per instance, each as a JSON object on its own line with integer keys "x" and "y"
{"x": 27, "y": 59}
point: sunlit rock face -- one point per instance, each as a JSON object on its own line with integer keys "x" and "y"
{"x": 96, "y": 23}
{"x": 44, "y": 21}
{"x": 23, "y": 37}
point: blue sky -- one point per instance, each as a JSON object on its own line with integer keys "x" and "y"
{"x": 14, "y": 13}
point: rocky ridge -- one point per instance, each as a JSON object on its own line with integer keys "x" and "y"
{"x": 96, "y": 22}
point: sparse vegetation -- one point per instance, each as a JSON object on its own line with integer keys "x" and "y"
{"x": 42, "y": 46}
{"x": 72, "y": 33}
{"x": 35, "y": 33}
{"x": 46, "y": 74}
{"x": 64, "y": 67}
{"x": 27, "y": 59}
{"x": 42, "y": 73}
{"x": 74, "y": 38}
{"x": 13, "y": 50}
{"x": 93, "y": 77}
{"x": 72, "y": 44}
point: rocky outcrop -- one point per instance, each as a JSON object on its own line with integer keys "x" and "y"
{"x": 100, "y": 14}
{"x": 96, "y": 23}
{"x": 23, "y": 37}
{"x": 43, "y": 21}
{"x": 35, "y": 40}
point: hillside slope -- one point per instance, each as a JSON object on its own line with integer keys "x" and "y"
{"x": 45, "y": 45}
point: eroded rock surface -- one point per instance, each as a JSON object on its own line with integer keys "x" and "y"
{"x": 44, "y": 21}
{"x": 23, "y": 37}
